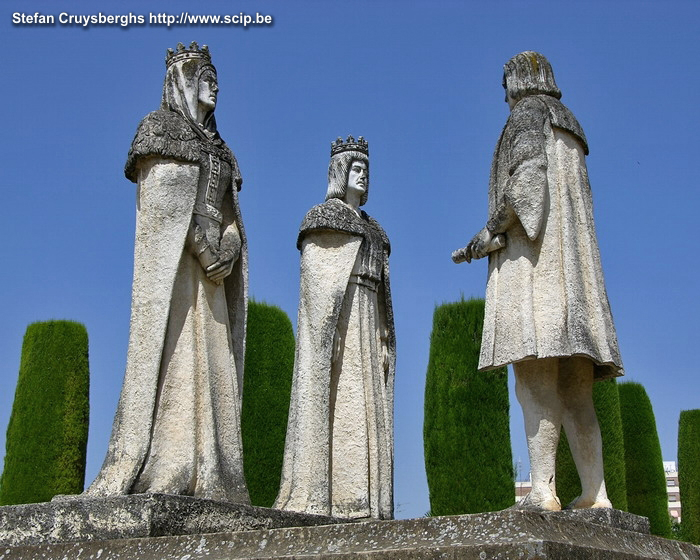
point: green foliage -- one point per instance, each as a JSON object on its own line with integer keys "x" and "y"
{"x": 676, "y": 530}
{"x": 48, "y": 430}
{"x": 646, "y": 491}
{"x": 607, "y": 407}
{"x": 466, "y": 430}
{"x": 269, "y": 361}
{"x": 689, "y": 473}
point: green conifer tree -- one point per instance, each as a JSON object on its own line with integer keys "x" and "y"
{"x": 689, "y": 474}
{"x": 607, "y": 406}
{"x": 466, "y": 430}
{"x": 269, "y": 361}
{"x": 646, "y": 489}
{"x": 48, "y": 430}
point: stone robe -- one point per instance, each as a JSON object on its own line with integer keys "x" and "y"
{"x": 177, "y": 424}
{"x": 339, "y": 449}
{"x": 545, "y": 295}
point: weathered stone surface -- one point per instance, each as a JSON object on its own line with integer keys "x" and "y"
{"x": 339, "y": 448}
{"x": 177, "y": 426}
{"x": 80, "y": 518}
{"x": 502, "y": 535}
{"x": 547, "y": 310}
{"x": 608, "y": 517}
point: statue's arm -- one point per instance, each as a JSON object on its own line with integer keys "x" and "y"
{"x": 230, "y": 245}
{"x": 230, "y": 242}
{"x": 524, "y": 192}
{"x": 197, "y": 243}
{"x": 526, "y": 186}
{"x": 491, "y": 238}
{"x": 526, "y": 156}
{"x": 327, "y": 259}
{"x": 383, "y": 335}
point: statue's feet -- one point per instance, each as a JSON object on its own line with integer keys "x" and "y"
{"x": 581, "y": 503}
{"x": 538, "y": 502}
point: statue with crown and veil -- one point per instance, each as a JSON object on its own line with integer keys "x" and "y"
{"x": 177, "y": 426}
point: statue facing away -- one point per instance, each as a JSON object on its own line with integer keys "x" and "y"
{"x": 177, "y": 427}
{"x": 547, "y": 311}
{"x": 338, "y": 457}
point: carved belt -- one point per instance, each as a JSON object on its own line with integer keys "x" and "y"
{"x": 364, "y": 281}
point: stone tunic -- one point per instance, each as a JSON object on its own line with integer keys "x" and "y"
{"x": 177, "y": 427}
{"x": 358, "y": 397}
{"x": 545, "y": 295}
{"x": 339, "y": 448}
{"x": 195, "y": 444}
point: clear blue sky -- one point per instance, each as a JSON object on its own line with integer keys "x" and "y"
{"x": 422, "y": 82}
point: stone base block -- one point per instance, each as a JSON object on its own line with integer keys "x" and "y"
{"x": 82, "y": 519}
{"x": 505, "y": 535}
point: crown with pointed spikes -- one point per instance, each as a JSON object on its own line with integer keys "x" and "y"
{"x": 350, "y": 145}
{"x": 182, "y": 53}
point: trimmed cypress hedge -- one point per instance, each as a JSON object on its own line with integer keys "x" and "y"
{"x": 48, "y": 430}
{"x": 607, "y": 407}
{"x": 466, "y": 431}
{"x": 267, "y": 382}
{"x": 646, "y": 492}
{"x": 689, "y": 474}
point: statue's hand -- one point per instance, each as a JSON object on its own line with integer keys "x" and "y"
{"x": 460, "y": 256}
{"x": 230, "y": 245}
{"x": 206, "y": 257}
{"x": 478, "y": 247}
{"x": 229, "y": 251}
{"x": 198, "y": 245}
{"x": 219, "y": 270}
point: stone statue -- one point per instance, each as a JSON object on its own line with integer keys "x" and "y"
{"x": 177, "y": 427}
{"x": 338, "y": 457}
{"x": 547, "y": 311}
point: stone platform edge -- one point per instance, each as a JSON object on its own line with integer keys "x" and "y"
{"x": 504, "y": 535}
{"x": 83, "y": 519}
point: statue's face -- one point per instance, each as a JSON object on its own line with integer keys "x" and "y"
{"x": 208, "y": 88}
{"x": 357, "y": 177}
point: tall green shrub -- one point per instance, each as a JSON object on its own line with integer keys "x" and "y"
{"x": 689, "y": 474}
{"x": 267, "y": 385}
{"x": 607, "y": 407}
{"x": 48, "y": 430}
{"x": 466, "y": 430}
{"x": 646, "y": 491}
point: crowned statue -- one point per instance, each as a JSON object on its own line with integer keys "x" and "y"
{"x": 177, "y": 426}
{"x": 338, "y": 457}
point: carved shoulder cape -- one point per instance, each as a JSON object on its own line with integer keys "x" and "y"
{"x": 167, "y": 158}
{"x": 545, "y": 295}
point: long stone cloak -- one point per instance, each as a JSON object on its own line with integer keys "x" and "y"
{"x": 165, "y": 160}
{"x": 545, "y": 295}
{"x": 329, "y": 239}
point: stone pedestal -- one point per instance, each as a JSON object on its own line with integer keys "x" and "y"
{"x": 82, "y": 519}
{"x": 505, "y": 535}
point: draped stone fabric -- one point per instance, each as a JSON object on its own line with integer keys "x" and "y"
{"x": 545, "y": 295}
{"x": 339, "y": 448}
{"x": 177, "y": 427}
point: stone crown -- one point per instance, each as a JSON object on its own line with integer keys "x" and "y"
{"x": 359, "y": 145}
{"x": 183, "y": 53}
